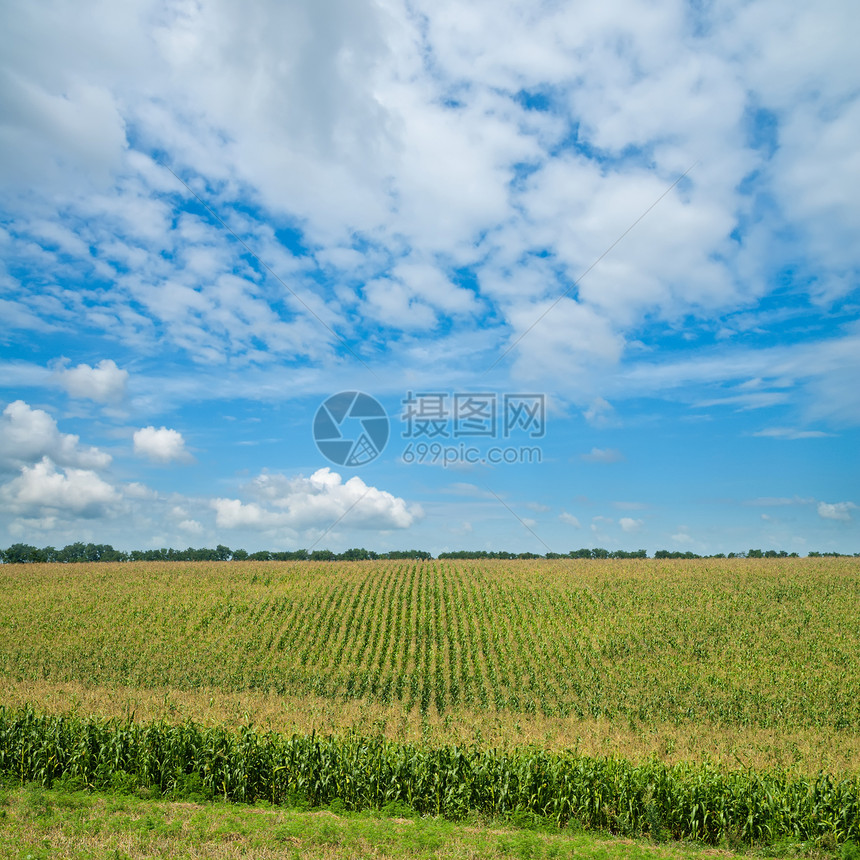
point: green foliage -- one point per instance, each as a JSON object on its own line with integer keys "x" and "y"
{"x": 355, "y": 772}
{"x": 399, "y": 809}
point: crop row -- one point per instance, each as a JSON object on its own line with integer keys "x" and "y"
{"x": 680, "y": 801}
{"x": 764, "y": 643}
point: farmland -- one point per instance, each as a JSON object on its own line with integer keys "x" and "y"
{"x": 713, "y": 700}
{"x": 740, "y": 662}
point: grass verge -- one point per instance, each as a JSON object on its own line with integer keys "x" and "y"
{"x": 38, "y": 823}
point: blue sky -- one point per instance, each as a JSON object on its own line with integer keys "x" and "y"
{"x": 645, "y": 215}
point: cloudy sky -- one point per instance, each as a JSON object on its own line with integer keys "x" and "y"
{"x": 638, "y": 220}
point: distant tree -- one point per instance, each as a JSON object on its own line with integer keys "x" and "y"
{"x": 102, "y": 552}
{"x": 21, "y": 553}
{"x": 91, "y": 552}
{"x": 73, "y": 552}
{"x": 292, "y": 555}
{"x": 408, "y": 553}
{"x": 355, "y": 554}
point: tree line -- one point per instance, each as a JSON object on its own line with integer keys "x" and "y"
{"x": 21, "y": 553}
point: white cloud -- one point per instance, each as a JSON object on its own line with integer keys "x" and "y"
{"x": 232, "y": 514}
{"x": 603, "y": 455}
{"x": 628, "y": 524}
{"x": 563, "y": 342}
{"x": 17, "y": 315}
{"x": 791, "y": 433}
{"x": 435, "y": 287}
{"x": 51, "y": 133}
{"x": 818, "y": 372}
{"x": 43, "y": 487}
{"x": 396, "y": 135}
{"x": 836, "y": 511}
{"x": 570, "y": 519}
{"x": 779, "y": 501}
{"x": 161, "y": 446}
{"x": 463, "y": 488}
{"x": 105, "y": 382}
{"x": 136, "y": 490}
{"x": 317, "y": 502}
{"x": 192, "y": 527}
{"x": 392, "y": 303}
{"x": 27, "y": 435}
{"x": 600, "y": 413}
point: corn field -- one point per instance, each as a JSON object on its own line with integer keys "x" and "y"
{"x": 725, "y": 647}
{"x": 679, "y": 801}
{"x": 737, "y": 643}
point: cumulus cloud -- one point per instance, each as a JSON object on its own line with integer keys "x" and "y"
{"x": 570, "y": 519}
{"x": 313, "y": 503}
{"x": 564, "y": 341}
{"x": 414, "y": 141}
{"x": 161, "y": 445}
{"x": 836, "y": 511}
{"x": 683, "y": 537}
{"x": 27, "y": 435}
{"x": 192, "y": 527}
{"x": 136, "y": 490}
{"x": 603, "y": 455}
{"x": 43, "y": 488}
{"x": 628, "y": 524}
{"x": 104, "y": 383}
